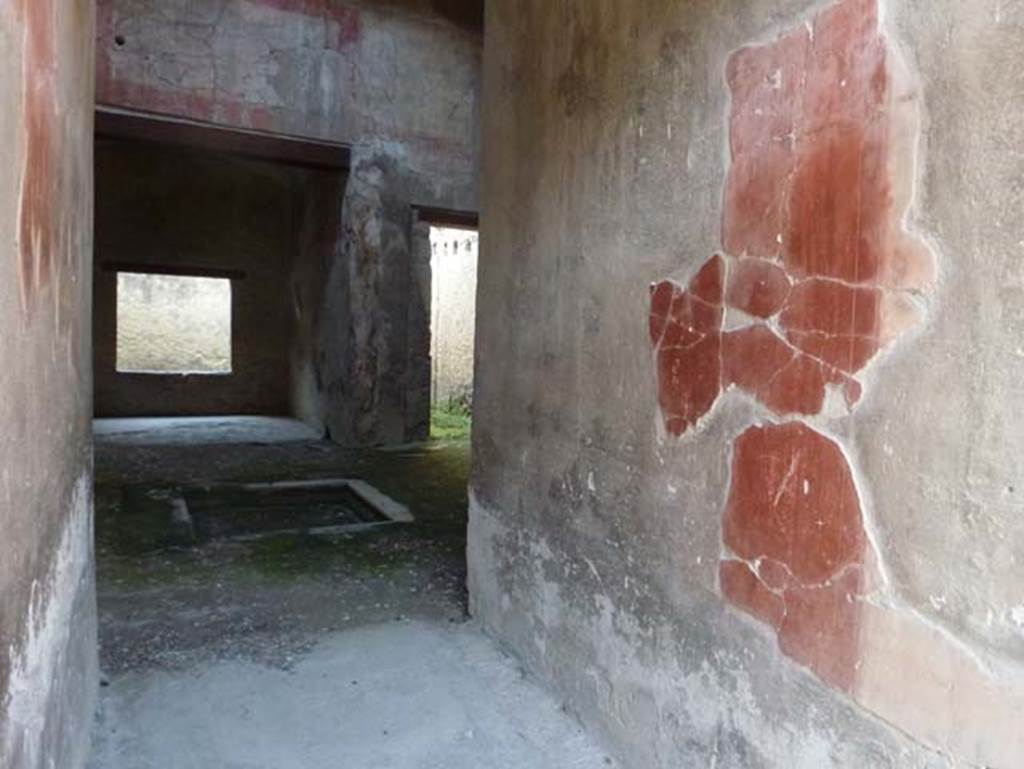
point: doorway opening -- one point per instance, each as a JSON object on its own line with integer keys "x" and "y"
{"x": 262, "y": 393}
{"x": 264, "y": 482}
{"x": 453, "y": 266}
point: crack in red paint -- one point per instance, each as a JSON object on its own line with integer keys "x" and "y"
{"x": 810, "y": 222}
{"x": 758, "y": 287}
{"x": 685, "y": 327}
{"x": 814, "y": 244}
{"x": 793, "y": 524}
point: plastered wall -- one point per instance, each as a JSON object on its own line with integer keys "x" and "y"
{"x": 167, "y": 208}
{"x": 48, "y": 666}
{"x": 356, "y": 302}
{"x": 453, "y": 269}
{"x": 745, "y": 481}
{"x": 398, "y": 81}
{"x": 399, "y": 76}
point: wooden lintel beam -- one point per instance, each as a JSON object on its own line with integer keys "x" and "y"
{"x": 442, "y": 217}
{"x": 169, "y": 131}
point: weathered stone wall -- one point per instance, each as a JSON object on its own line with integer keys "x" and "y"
{"x": 355, "y": 303}
{"x": 48, "y": 667}
{"x": 168, "y": 208}
{"x": 745, "y": 482}
{"x": 398, "y": 80}
{"x": 417, "y": 387}
{"x": 452, "y": 313}
{"x": 395, "y": 75}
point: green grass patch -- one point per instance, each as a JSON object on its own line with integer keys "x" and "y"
{"x": 450, "y": 422}
{"x": 287, "y": 556}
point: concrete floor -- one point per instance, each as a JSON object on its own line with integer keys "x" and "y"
{"x": 163, "y": 431}
{"x": 348, "y": 650}
{"x": 402, "y": 696}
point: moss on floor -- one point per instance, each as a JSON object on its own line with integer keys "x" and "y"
{"x": 137, "y": 546}
{"x": 166, "y": 602}
{"x": 449, "y": 423}
{"x": 285, "y": 556}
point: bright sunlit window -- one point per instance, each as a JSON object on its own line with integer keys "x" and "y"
{"x": 173, "y": 324}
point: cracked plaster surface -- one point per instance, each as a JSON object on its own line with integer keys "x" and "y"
{"x": 333, "y": 70}
{"x": 817, "y": 277}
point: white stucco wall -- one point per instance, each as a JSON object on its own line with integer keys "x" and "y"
{"x": 453, "y": 311}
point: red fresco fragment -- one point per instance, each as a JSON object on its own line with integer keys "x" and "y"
{"x": 774, "y": 574}
{"x": 846, "y": 78}
{"x": 708, "y": 284}
{"x": 685, "y": 328}
{"x": 845, "y": 352}
{"x": 829, "y": 307}
{"x": 838, "y": 194}
{"x": 793, "y": 509}
{"x": 757, "y": 287}
{"x": 821, "y": 628}
{"x": 811, "y": 228}
{"x": 742, "y": 587}
{"x": 753, "y": 356}
{"x": 697, "y": 361}
{"x": 662, "y": 295}
{"x": 766, "y": 83}
{"x": 808, "y": 136}
{"x": 198, "y": 104}
{"x": 38, "y": 225}
{"x": 755, "y": 201}
{"x": 808, "y": 185}
{"x": 799, "y": 388}
{"x": 793, "y": 500}
{"x": 689, "y": 382}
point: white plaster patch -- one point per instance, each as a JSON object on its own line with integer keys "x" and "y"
{"x": 917, "y": 676}
{"x": 1017, "y": 617}
{"x": 463, "y": 705}
{"x": 736, "y": 320}
{"x": 35, "y": 668}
